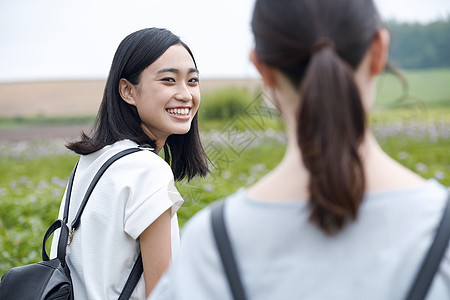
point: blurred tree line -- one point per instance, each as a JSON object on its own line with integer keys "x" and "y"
{"x": 418, "y": 46}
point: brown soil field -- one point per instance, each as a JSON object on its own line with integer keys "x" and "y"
{"x": 66, "y": 132}
{"x": 74, "y": 98}
{"x": 78, "y": 98}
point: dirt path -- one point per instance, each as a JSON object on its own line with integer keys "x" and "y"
{"x": 42, "y": 132}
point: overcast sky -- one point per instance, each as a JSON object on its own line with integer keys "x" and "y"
{"x": 76, "y": 39}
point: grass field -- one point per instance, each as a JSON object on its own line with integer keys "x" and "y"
{"x": 422, "y": 87}
{"x": 244, "y": 146}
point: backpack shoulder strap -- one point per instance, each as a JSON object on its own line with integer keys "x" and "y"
{"x": 226, "y": 252}
{"x": 138, "y": 268}
{"x": 69, "y": 194}
{"x": 133, "y": 279}
{"x": 103, "y": 168}
{"x": 418, "y": 289}
{"x": 431, "y": 263}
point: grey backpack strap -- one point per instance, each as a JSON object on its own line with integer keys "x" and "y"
{"x": 226, "y": 253}
{"x": 430, "y": 264}
{"x": 418, "y": 289}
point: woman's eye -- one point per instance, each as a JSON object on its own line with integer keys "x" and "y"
{"x": 168, "y": 79}
{"x": 193, "y": 80}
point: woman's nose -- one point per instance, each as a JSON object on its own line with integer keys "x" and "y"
{"x": 183, "y": 93}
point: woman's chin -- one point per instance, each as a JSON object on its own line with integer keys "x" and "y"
{"x": 181, "y": 130}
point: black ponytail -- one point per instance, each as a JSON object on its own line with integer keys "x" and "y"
{"x": 318, "y": 45}
{"x": 330, "y": 128}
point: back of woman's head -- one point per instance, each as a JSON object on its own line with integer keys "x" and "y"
{"x": 118, "y": 120}
{"x": 318, "y": 44}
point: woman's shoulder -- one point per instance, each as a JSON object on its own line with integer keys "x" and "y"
{"x": 144, "y": 158}
{"x": 140, "y": 164}
{"x": 200, "y": 222}
{"x": 430, "y": 193}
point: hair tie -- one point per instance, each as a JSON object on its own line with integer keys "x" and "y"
{"x": 322, "y": 43}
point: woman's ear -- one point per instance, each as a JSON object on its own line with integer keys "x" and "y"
{"x": 267, "y": 73}
{"x": 127, "y": 91}
{"x": 379, "y": 52}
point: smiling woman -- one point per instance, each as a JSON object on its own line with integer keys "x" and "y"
{"x": 150, "y": 66}
{"x": 151, "y": 97}
{"x": 167, "y": 96}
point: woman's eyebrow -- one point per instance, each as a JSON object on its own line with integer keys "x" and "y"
{"x": 176, "y": 71}
{"x": 193, "y": 70}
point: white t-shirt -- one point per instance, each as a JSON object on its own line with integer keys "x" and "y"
{"x": 132, "y": 193}
{"x": 281, "y": 255}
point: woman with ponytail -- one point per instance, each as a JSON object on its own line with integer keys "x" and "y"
{"x": 337, "y": 218}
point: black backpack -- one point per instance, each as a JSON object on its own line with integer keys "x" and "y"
{"x": 50, "y": 278}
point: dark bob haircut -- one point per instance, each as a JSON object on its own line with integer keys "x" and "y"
{"x": 117, "y": 120}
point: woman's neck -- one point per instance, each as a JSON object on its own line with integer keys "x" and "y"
{"x": 381, "y": 171}
{"x": 159, "y": 142}
{"x": 289, "y": 180}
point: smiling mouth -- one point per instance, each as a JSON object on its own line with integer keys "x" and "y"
{"x": 178, "y": 111}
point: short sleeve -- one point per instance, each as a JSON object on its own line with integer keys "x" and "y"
{"x": 151, "y": 192}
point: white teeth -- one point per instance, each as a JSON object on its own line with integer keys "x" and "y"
{"x": 178, "y": 111}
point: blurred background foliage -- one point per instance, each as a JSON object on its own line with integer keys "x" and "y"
{"x": 243, "y": 135}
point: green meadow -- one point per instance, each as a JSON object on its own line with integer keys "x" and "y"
{"x": 243, "y": 136}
